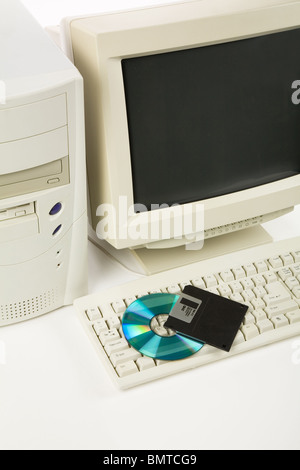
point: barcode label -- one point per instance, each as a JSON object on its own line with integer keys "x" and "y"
{"x": 186, "y": 308}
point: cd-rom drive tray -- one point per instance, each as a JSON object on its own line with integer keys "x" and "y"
{"x": 52, "y": 174}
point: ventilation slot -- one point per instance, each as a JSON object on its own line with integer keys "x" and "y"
{"x": 32, "y": 307}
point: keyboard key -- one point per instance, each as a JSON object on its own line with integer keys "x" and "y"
{"x": 261, "y": 266}
{"x": 119, "y": 306}
{"x": 126, "y": 369}
{"x": 278, "y": 309}
{"x": 124, "y": 356}
{"x": 296, "y": 270}
{"x": 198, "y": 283}
{"x": 249, "y": 318}
{"x": 224, "y": 290}
{"x": 250, "y": 331}
{"x": 236, "y": 287}
{"x": 160, "y": 362}
{"x": 239, "y": 273}
{"x": 145, "y": 363}
{"x": 154, "y": 323}
{"x": 109, "y": 335}
{"x": 237, "y": 297}
{"x": 93, "y": 314}
{"x": 274, "y": 299}
{"x": 247, "y": 283}
{"x": 161, "y": 319}
{"x": 161, "y": 331}
{"x": 250, "y": 269}
{"x": 279, "y": 321}
{"x": 259, "y": 315}
{"x": 293, "y": 317}
{"x": 287, "y": 259}
{"x": 260, "y": 291}
{"x": 248, "y": 295}
{"x": 292, "y": 282}
{"x": 113, "y": 321}
{"x": 100, "y": 326}
{"x": 258, "y": 303}
{"x": 265, "y": 325}
{"x": 276, "y": 288}
{"x": 270, "y": 277}
{"x": 296, "y": 292}
{"x": 174, "y": 289}
{"x": 296, "y": 255}
{"x": 129, "y": 300}
{"x": 259, "y": 280}
{"x": 210, "y": 280}
{"x": 285, "y": 273}
{"x": 106, "y": 310}
{"x": 116, "y": 346}
{"x": 227, "y": 276}
{"x": 276, "y": 262}
{"x": 277, "y": 293}
{"x": 182, "y": 285}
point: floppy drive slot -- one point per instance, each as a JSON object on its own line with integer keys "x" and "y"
{"x": 35, "y": 179}
{"x": 17, "y": 211}
{"x": 18, "y": 228}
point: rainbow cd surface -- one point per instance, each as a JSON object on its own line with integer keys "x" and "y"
{"x": 143, "y": 329}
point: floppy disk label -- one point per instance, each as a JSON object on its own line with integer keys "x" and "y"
{"x": 186, "y": 308}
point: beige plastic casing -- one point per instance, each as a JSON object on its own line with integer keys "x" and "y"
{"x": 97, "y": 44}
{"x": 43, "y": 256}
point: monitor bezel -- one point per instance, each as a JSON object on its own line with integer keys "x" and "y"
{"x": 158, "y": 30}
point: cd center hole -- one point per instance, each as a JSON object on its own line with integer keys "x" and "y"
{"x": 157, "y": 326}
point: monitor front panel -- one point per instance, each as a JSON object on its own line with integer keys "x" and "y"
{"x": 210, "y": 121}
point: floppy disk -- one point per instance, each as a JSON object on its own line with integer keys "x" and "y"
{"x": 207, "y": 317}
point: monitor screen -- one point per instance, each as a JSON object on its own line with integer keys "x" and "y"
{"x": 213, "y": 120}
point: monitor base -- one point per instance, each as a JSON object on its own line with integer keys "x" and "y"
{"x": 146, "y": 262}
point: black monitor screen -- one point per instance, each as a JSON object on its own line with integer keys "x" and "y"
{"x": 213, "y": 120}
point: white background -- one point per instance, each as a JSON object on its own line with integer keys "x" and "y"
{"x": 55, "y": 394}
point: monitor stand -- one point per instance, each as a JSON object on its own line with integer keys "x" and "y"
{"x": 151, "y": 261}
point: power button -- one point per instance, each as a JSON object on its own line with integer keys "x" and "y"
{"x": 56, "y": 209}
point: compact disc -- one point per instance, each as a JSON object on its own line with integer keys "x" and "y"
{"x": 143, "y": 329}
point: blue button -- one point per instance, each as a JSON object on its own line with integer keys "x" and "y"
{"x": 56, "y": 209}
{"x": 57, "y": 230}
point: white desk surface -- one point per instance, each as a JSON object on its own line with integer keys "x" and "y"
{"x": 55, "y": 393}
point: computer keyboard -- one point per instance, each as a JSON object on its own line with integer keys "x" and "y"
{"x": 266, "y": 278}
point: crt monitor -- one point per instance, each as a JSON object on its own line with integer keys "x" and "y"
{"x": 190, "y": 107}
